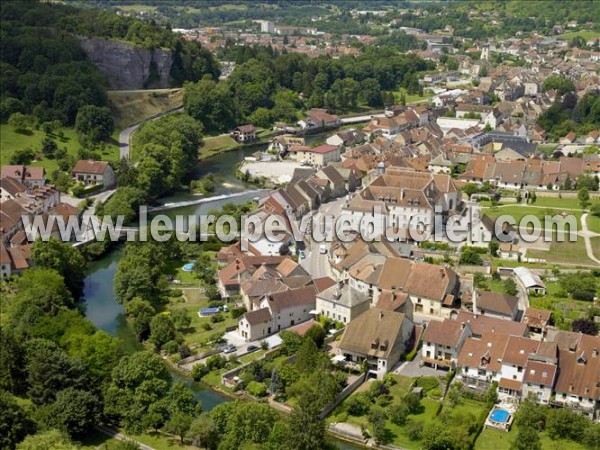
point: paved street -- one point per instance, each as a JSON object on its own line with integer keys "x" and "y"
{"x": 316, "y": 263}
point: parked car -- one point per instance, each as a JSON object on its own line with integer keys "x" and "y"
{"x": 323, "y": 249}
{"x": 230, "y": 349}
{"x": 252, "y": 348}
{"x": 301, "y": 254}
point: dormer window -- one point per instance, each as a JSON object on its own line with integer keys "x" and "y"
{"x": 581, "y": 359}
{"x": 375, "y": 344}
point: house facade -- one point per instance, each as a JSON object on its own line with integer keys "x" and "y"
{"x": 94, "y": 172}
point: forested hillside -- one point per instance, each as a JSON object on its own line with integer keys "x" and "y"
{"x": 266, "y": 86}
{"x": 46, "y": 74}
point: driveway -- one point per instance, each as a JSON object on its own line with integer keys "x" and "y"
{"x": 411, "y": 369}
{"x": 234, "y": 338}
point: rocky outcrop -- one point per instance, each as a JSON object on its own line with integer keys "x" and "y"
{"x": 127, "y": 66}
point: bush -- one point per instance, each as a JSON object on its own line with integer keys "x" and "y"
{"x": 428, "y": 383}
{"x": 198, "y": 371}
{"x": 435, "y": 393}
{"x": 398, "y": 414}
{"x": 171, "y": 347}
{"x": 216, "y": 362}
{"x": 414, "y": 429}
{"x": 216, "y": 318}
{"x": 206, "y": 326}
{"x": 358, "y": 405}
{"x": 586, "y": 296}
{"x": 237, "y": 312}
{"x": 411, "y": 355}
{"x": 413, "y": 403}
{"x": 256, "y": 389}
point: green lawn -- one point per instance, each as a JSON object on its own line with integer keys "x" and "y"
{"x": 554, "y": 202}
{"x": 593, "y": 223}
{"x": 192, "y": 301}
{"x": 411, "y": 98}
{"x": 563, "y": 252}
{"x": 490, "y": 439}
{"x": 10, "y": 141}
{"x": 519, "y": 211}
{"x": 161, "y": 441}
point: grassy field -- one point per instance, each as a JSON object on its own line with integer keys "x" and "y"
{"x": 10, "y": 141}
{"x": 563, "y": 252}
{"x": 131, "y": 107}
{"x": 554, "y": 202}
{"x": 411, "y": 98}
{"x": 162, "y": 441}
{"x": 519, "y": 211}
{"x": 501, "y": 440}
{"x": 593, "y": 223}
{"x": 584, "y": 34}
{"x": 216, "y": 144}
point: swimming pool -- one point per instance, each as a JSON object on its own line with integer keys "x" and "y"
{"x": 500, "y": 415}
{"x": 188, "y": 267}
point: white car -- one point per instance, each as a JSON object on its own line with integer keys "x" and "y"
{"x": 322, "y": 249}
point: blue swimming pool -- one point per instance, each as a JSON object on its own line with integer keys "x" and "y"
{"x": 500, "y": 415}
{"x": 188, "y": 267}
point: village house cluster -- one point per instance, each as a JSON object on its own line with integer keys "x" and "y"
{"x": 25, "y": 192}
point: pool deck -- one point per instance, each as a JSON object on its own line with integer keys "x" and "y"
{"x": 503, "y": 426}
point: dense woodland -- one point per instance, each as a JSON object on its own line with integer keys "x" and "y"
{"x": 44, "y": 72}
{"x": 265, "y": 86}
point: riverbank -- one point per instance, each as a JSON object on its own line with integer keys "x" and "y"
{"x": 215, "y": 145}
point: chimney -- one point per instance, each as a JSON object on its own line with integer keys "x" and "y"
{"x": 380, "y": 315}
{"x": 462, "y": 325}
{"x": 442, "y": 273}
{"x": 594, "y": 353}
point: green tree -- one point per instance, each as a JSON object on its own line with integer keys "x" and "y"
{"x": 50, "y": 370}
{"x": 527, "y": 439}
{"x": 49, "y": 147}
{"x": 510, "y": 287}
{"x": 180, "y": 398}
{"x": 162, "y": 330}
{"x": 94, "y": 122}
{"x": 179, "y": 425}
{"x": 377, "y": 418}
{"x": 20, "y": 122}
{"x": 436, "y": 436}
{"x": 584, "y": 198}
{"x": 308, "y": 429}
{"x": 530, "y": 414}
{"x": 14, "y": 422}
{"x": 65, "y": 259}
{"x": 137, "y": 382}
{"x": 75, "y": 411}
{"x": 493, "y": 247}
{"x": 48, "y": 440}
{"x": 591, "y": 437}
{"x": 22, "y": 156}
{"x": 181, "y": 319}
{"x": 202, "y": 432}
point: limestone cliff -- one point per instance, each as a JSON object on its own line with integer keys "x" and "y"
{"x": 127, "y": 66}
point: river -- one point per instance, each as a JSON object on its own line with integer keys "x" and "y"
{"x": 102, "y": 307}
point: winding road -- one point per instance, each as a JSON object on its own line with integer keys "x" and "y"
{"x": 125, "y": 134}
